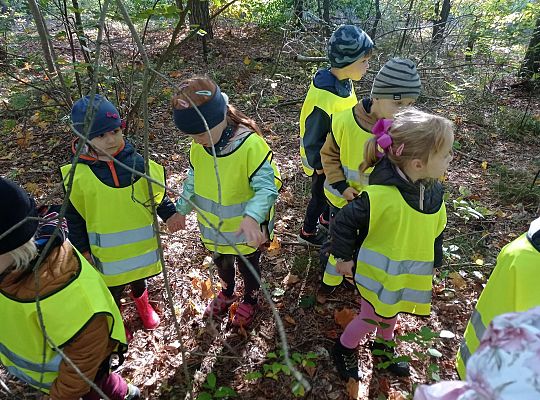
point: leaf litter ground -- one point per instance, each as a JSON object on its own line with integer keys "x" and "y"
{"x": 241, "y": 60}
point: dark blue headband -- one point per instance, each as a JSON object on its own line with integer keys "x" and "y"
{"x": 190, "y": 122}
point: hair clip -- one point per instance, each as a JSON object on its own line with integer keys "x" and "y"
{"x": 399, "y": 150}
{"x": 207, "y": 93}
{"x": 183, "y": 103}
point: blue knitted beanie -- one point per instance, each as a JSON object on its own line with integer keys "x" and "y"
{"x": 106, "y": 116}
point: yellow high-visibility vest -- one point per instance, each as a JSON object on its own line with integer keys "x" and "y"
{"x": 350, "y": 138}
{"x": 66, "y": 311}
{"x": 512, "y": 287}
{"x": 394, "y": 266}
{"x": 235, "y": 171}
{"x": 328, "y": 102}
{"x": 119, "y": 222}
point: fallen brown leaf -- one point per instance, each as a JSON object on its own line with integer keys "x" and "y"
{"x": 310, "y": 371}
{"x": 331, "y": 334}
{"x": 321, "y": 298}
{"x": 352, "y": 388}
{"x": 291, "y": 279}
{"x": 394, "y": 394}
{"x": 344, "y": 316}
{"x": 289, "y": 319}
{"x": 457, "y": 280}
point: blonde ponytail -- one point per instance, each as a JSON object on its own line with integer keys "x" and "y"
{"x": 370, "y": 154}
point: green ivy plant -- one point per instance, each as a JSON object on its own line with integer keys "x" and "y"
{"x": 213, "y": 391}
{"x": 277, "y": 367}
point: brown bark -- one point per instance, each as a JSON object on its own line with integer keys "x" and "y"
{"x": 531, "y": 61}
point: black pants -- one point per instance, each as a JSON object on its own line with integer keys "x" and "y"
{"x": 324, "y": 252}
{"x": 227, "y": 272}
{"x": 317, "y": 204}
{"x": 137, "y": 289}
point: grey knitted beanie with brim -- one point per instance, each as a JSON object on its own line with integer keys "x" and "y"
{"x": 396, "y": 80}
{"x": 347, "y": 44}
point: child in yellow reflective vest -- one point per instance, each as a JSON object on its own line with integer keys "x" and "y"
{"x": 390, "y": 237}
{"x": 510, "y": 288}
{"x": 109, "y": 211}
{"x": 349, "y": 50}
{"x": 78, "y": 312}
{"x": 396, "y": 86}
{"x": 233, "y": 183}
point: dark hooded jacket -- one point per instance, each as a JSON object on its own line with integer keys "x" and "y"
{"x": 114, "y": 176}
{"x": 352, "y": 222}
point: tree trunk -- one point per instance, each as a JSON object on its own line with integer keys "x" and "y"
{"x": 402, "y": 41}
{"x": 200, "y": 16}
{"x": 326, "y": 16}
{"x": 80, "y": 33}
{"x": 298, "y": 11}
{"x": 531, "y": 62}
{"x": 43, "y": 35}
{"x": 438, "y": 28}
{"x": 48, "y": 49}
{"x": 471, "y": 41}
{"x": 378, "y": 16}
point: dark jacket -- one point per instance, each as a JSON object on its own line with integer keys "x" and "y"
{"x": 114, "y": 176}
{"x": 352, "y": 222}
{"x": 534, "y": 234}
{"x": 318, "y": 123}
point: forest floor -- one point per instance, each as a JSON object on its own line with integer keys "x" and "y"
{"x": 490, "y": 203}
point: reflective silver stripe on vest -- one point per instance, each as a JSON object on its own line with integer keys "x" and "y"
{"x": 220, "y": 239}
{"x": 210, "y": 206}
{"x": 477, "y": 324}
{"x": 304, "y": 159}
{"x": 121, "y": 238}
{"x": 329, "y": 187}
{"x": 28, "y": 379}
{"x": 51, "y": 366}
{"x": 130, "y": 264}
{"x": 392, "y": 267}
{"x": 331, "y": 269}
{"x": 390, "y": 297}
{"x": 353, "y": 175}
{"x": 464, "y": 352}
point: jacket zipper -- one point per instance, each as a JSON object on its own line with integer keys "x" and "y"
{"x": 421, "y": 199}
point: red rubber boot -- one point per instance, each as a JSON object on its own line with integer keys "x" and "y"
{"x": 149, "y": 317}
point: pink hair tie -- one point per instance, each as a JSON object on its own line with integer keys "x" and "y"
{"x": 399, "y": 149}
{"x": 384, "y": 140}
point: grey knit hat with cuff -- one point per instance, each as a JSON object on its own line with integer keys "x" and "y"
{"x": 396, "y": 80}
{"x": 347, "y": 44}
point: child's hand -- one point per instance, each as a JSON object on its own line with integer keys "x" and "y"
{"x": 88, "y": 256}
{"x": 252, "y": 231}
{"x": 345, "y": 267}
{"x": 350, "y": 193}
{"x": 319, "y": 171}
{"x": 176, "y": 222}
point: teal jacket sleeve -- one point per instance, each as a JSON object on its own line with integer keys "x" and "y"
{"x": 188, "y": 190}
{"x": 266, "y": 193}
